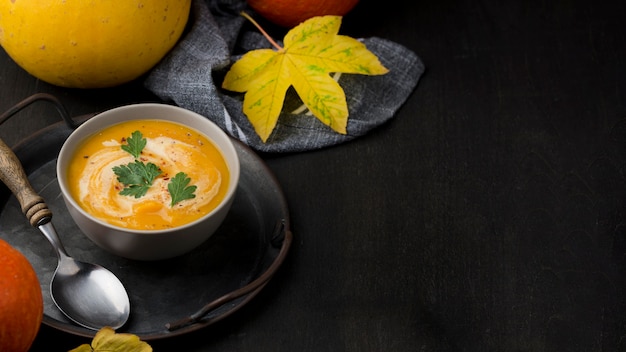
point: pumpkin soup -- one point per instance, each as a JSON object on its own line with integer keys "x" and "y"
{"x": 148, "y": 175}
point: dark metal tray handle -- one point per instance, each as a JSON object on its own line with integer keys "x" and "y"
{"x": 281, "y": 238}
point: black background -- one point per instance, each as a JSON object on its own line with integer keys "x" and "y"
{"x": 488, "y": 215}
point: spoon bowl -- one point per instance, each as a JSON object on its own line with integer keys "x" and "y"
{"x": 88, "y": 294}
{"x": 77, "y": 298}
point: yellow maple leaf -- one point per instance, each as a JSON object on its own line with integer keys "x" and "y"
{"x": 107, "y": 340}
{"x": 312, "y": 51}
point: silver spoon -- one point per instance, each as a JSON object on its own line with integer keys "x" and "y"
{"x": 88, "y": 294}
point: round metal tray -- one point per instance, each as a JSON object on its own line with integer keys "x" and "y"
{"x": 168, "y": 297}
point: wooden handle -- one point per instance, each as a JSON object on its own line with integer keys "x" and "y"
{"x": 13, "y": 175}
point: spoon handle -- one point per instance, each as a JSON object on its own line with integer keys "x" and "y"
{"x": 13, "y": 175}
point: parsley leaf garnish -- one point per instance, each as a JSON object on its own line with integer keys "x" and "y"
{"x": 135, "y": 144}
{"x": 136, "y": 191}
{"x": 179, "y": 189}
{"x": 137, "y": 177}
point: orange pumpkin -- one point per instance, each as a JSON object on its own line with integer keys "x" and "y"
{"x": 21, "y": 301}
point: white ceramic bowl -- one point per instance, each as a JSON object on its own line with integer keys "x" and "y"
{"x": 149, "y": 244}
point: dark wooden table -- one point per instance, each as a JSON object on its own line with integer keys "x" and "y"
{"x": 488, "y": 215}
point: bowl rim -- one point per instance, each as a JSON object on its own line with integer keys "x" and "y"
{"x": 78, "y": 135}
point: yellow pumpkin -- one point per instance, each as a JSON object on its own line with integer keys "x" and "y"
{"x": 90, "y": 43}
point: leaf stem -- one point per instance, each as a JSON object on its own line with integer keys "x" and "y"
{"x": 267, "y": 36}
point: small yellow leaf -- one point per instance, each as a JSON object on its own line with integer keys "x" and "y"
{"x": 106, "y": 340}
{"x": 312, "y": 51}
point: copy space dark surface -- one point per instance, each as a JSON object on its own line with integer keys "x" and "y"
{"x": 488, "y": 215}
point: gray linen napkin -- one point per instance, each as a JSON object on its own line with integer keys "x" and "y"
{"x": 190, "y": 76}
